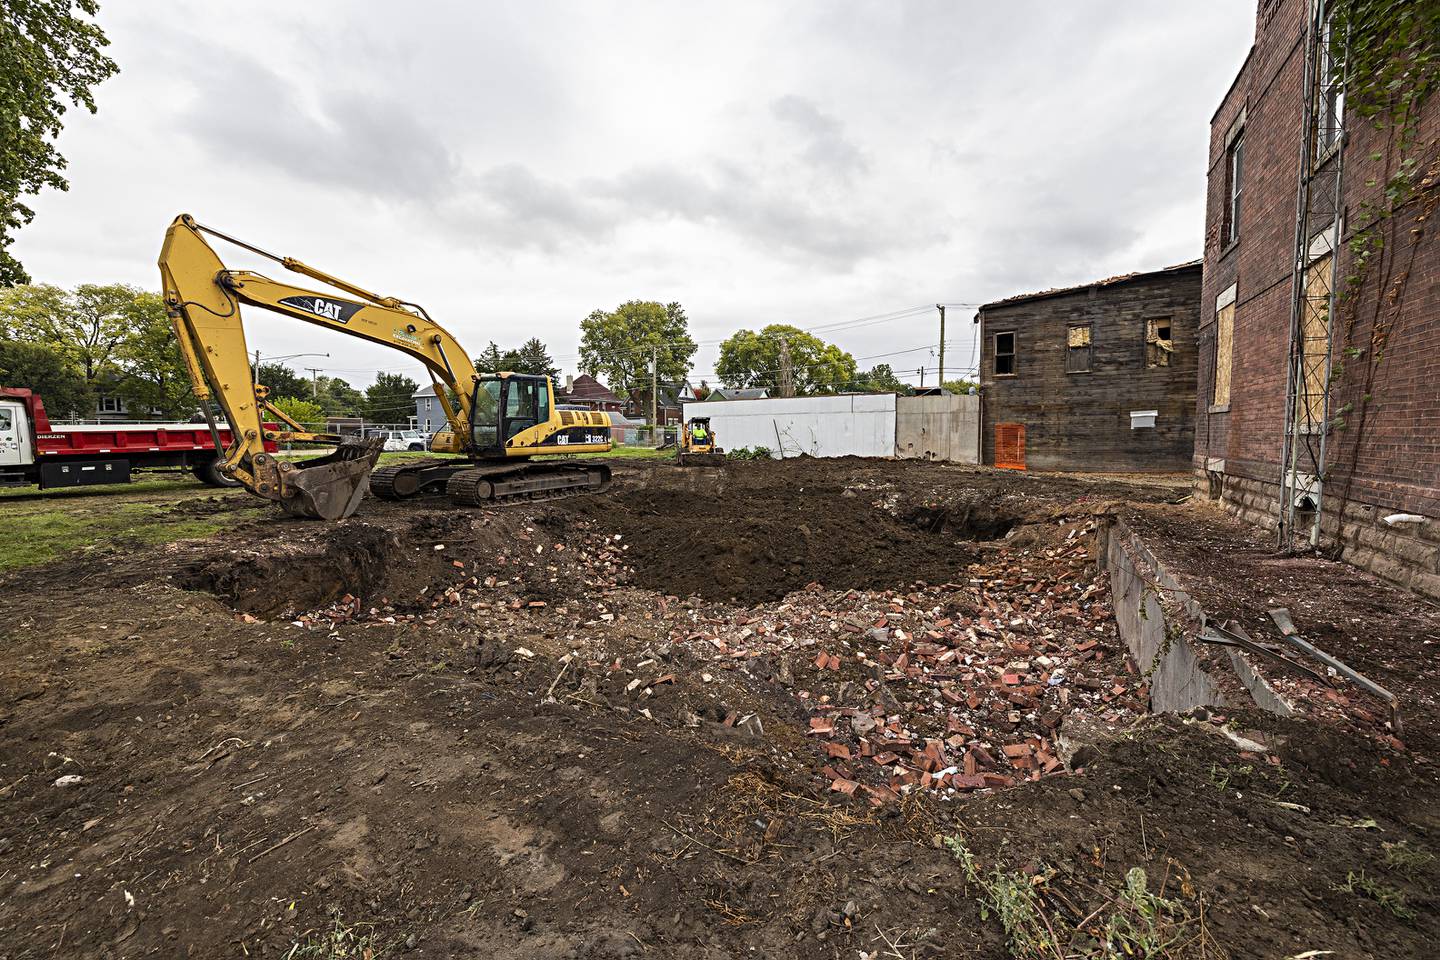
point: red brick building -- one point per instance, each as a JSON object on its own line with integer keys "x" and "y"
{"x": 586, "y": 391}
{"x": 1364, "y": 441}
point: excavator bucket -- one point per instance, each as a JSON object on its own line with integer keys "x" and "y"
{"x": 330, "y": 487}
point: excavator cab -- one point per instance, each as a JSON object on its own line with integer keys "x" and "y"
{"x": 505, "y": 406}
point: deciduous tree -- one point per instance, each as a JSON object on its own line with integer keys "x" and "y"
{"x": 152, "y": 374}
{"x": 881, "y": 379}
{"x": 307, "y": 413}
{"x": 86, "y": 324}
{"x": 617, "y": 345}
{"x": 50, "y": 56}
{"x": 283, "y": 382}
{"x": 750, "y": 359}
{"x": 43, "y": 369}
{"x": 389, "y": 399}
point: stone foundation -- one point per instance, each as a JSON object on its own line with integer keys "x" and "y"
{"x": 1407, "y": 555}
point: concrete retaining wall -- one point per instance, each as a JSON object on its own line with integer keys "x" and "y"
{"x": 938, "y": 428}
{"x": 1160, "y": 636}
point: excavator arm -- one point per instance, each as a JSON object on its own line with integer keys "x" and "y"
{"x": 203, "y": 299}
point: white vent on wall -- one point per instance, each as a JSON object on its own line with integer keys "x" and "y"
{"x": 1143, "y": 419}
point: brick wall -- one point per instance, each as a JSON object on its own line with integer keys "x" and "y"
{"x": 1389, "y": 464}
{"x": 1081, "y": 421}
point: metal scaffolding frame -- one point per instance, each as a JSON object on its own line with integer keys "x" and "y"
{"x": 1318, "y": 215}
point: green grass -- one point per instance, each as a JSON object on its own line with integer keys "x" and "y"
{"x": 68, "y": 519}
{"x": 43, "y": 530}
{"x": 156, "y": 483}
{"x": 622, "y": 453}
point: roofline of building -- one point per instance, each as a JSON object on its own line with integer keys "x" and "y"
{"x": 1231, "y": 89}
{"x": 1109, "y": 282}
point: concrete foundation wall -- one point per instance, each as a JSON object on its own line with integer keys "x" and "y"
{"x": 938, "y": 428}
{"x": 862, "y": 425}
{"x": 1160, "y": 635}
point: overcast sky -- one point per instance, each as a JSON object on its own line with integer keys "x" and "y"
{"x": 513, "y": 166}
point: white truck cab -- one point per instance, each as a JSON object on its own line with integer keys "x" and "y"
{"x": 15, "y": 448}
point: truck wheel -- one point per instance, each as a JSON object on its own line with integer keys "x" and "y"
{"x": 209, "y": 473}
{"x": 417, "y": 446}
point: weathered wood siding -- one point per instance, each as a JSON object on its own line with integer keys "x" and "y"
{"x": 1081, "y": 421}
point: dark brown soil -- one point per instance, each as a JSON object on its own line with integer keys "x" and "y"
{"x": 446, "y": 757}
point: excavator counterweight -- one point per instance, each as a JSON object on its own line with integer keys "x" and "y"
{"x": 495, "y": 422}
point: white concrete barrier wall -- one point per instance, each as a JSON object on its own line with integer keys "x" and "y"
{"x": 862, "y": 425}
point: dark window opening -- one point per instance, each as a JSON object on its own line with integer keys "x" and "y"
{"x": 1004, "y": 354}
{"x": 1077, "y": 349}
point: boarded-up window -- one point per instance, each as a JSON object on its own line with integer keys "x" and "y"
{"x": 1077, "y": 349}
{"x": 1010, "y": 446}
{"x": 1315, "y": 331}
{"x": 1004, "y": 354}
{"x": 1224, "y": 353}
{"x": 1158, "y": 345}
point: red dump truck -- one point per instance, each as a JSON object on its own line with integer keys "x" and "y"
{"x": 35, "y": 452}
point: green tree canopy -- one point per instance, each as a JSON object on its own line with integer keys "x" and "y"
{"x": 45, "y": 370}
{"x": 881, "y": 379}
{"x": 153, "y": 375}
{"x": 338, "y": 398}
{"x": 389, "y": 399}
{"x": 960, "y": 386}
{"x": 283, "y": 382}
{"x": 307, "y": 413}
{"x": 87, "y": 324}
{"x": 750, "y": 359}
{"x": 532, "y": 356}
{"x": 49, "y": 55}
{"x": 617, "y": 345}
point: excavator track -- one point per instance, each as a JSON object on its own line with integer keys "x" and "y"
{"x": 492, "y": 485}
{"x": 488, "y": 484}
{"x": 415, "y": 479}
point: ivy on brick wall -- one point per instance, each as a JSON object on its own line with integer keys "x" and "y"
{"x": 1388, "y": 54}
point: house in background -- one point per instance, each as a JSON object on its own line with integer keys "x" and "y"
{"x": 585, "y": 391}
{"x": 669, "y": 410}
{"x": 1352, "y": 366}
{"x": 1098, "y": 377}
{"x": 429, "y": 415}
{"x": 739, "y": 393}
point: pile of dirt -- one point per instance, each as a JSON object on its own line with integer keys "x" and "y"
{"x": 753, "y": 546}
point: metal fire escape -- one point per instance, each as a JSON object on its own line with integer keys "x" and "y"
{"x": 1318, "y": 230}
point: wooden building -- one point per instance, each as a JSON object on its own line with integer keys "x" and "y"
{"x": 1098, "y": 377}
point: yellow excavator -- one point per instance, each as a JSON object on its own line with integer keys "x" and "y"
{"x": 497, "y": 421}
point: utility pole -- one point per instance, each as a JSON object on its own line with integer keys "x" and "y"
{"x": 921, "y": 371}
{"x": 314, "y": 381}
{"x": 941, "y": 308}
{"x": 655, "y": 390}
{"x": 787, "y": 376}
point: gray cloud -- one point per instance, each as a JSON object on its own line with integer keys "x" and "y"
{"x": 359, "y": 141}
{"x": 787, "y": 161}
{"x": 825, "y": 145}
